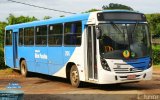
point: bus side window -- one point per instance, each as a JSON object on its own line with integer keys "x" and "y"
{"x": 29, "y": 36}
{"x": 72, "y": 33}
{"x": 55, "y": 35}
{"x": 8, "y": 40}
{"x": 41, "y": 35}
{"x": 21, "y": 35}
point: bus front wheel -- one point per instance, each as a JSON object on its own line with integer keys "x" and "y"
{"x": 74, "y": 76}
{"x": 23, "y": 68}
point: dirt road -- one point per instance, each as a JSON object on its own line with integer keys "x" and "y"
{"x": 43, "y": 84}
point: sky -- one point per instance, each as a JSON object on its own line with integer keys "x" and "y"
{"x": 75, "y": 6}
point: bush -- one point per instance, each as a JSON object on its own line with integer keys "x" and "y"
{"x": 156, "y": 54}
{"x": 2, "y": 64}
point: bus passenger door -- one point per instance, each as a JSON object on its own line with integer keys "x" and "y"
{"x": 15, "y": 49}
{"x": 91, "y": 53}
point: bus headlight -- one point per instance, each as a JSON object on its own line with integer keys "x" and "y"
{"x": 105, "y": 65}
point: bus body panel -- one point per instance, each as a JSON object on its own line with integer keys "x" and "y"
{"x": 9, "y": 56}
{"x": 75, "y": 55}
{"x": 77, "y": 58}
{"x": 64, "y": 56}
{"x": 141, "y": 63}
{"x": 121, "y": 69}
{"x": 55, "y": 59}
{"x": 27, "y": 53}
{"x": 41, "y": 60}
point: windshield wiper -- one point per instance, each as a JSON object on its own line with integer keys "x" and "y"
{"x": 116, "y": 27}
{"x": 135, "y": 27}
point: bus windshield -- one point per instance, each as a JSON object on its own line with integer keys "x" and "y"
{"x": 120, "y": 41}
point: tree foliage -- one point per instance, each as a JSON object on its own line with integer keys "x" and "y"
{"x": 13, "y": 20}
{"x": 91, "y": 10}
{"x": 62, "y": 16}
{"x": 116, "y": 6}
{"x": 47, "y": 17}
{"x": 111, "y": 6}
{"x": 21, "y": 19}
{"x": 154, "y": 23}
{"x": 2, "y": 31}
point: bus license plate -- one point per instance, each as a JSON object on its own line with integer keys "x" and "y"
{"x": 131, "y": 77}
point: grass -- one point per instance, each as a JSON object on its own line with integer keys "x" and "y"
{"x": 6, "y": 71}
{"x": 156, "y": 47}
{"x": 156, "y": 67}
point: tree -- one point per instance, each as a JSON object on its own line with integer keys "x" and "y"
{"x": 2, "y": 31}
{"x": 21, "y": 19}
{"x": 62, "y": 16}
{"x": 47, "y": 17}
{"x": 116, "y": 6}
{"x": 91, "y": 10}
{"x": 154, "y": 23}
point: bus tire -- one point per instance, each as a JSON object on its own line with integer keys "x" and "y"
{"x": 74, "y": 76}
{"x": 23, "y": 68}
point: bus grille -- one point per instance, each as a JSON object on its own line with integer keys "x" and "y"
{"x": 126, "y": 70}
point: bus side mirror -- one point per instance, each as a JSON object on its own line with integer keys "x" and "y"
{"x": 98, "y": 33}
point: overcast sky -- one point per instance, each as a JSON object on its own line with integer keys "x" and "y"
{"x": 76, "y": 6}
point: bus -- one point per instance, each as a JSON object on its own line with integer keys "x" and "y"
{"x": 103, "y": 47}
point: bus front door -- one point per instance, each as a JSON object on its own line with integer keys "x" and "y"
{"x": 91, "y": 53}
{"x": 15, "y": 49}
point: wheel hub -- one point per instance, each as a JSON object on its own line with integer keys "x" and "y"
{"x": 23, "y": 69}
{"x": 75, "y": 76}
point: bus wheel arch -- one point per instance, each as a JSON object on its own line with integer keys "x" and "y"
{"x": 23, "y": 67}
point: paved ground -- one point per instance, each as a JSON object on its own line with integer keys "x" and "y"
{"x": 42, "y": 84}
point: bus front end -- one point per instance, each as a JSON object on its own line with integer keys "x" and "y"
{"x": 124, "y": 47}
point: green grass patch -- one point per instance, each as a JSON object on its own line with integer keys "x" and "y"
{"x": 156, "y": 54}
{"x": 6, "y": 71}
{"x": 156, "y": 67}
{"x": 156, "y": 47}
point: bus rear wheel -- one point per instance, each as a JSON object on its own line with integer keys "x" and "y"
{"x": 23, "y": 68}
{"x": 74, "y": 76}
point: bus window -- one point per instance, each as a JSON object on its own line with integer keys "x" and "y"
{"x": 29, "y": 36}
{"x": 55, "y": 35}
{"x": 21, "y": 36}
{"x": 72, "y": 33}
{"x": 41, "y": 35}
{"x": 8, "y": 37}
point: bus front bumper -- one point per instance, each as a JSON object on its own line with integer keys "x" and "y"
{"x": 106, "y": 77}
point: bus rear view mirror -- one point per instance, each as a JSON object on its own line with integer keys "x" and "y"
{"x": 98, "y": 33}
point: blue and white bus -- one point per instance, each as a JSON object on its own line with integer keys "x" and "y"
{"x": 103, "y": 47}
